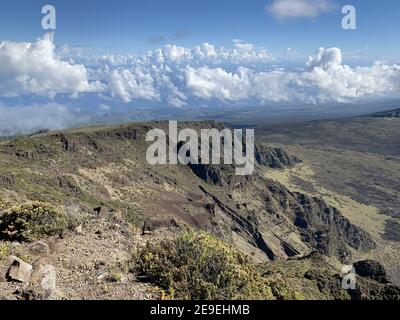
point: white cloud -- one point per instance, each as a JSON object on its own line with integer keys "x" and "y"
{"x": 206, "y": 53}
{"x": 291, "y": 9}
{"x": 219, "y": 84}
{"x": 132, "y": 84}
{"x": 325, "y": 59}
{"x": 17, "y": 120}
{"x": 179, "y": 76}
{"x": 34, "y": 69}
{"x": 334, "y": 81}
{"x": 326, "y": 79}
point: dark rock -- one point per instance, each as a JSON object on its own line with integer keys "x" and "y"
{"x": 7, "y": 180}
{"x": 371, "y": 269}
{"x": 368, "y": 289}
{"x": 321, "y": 226}
{"x": 275, "y": 158}
{"x": 211, "y": 207}
{"x": 68, "y": 144}
{"x": 208, "y": 173}
{"x": 69, "y": 185}
{"x": 28, "y": 155}
{"x": 314, "y": 214}
{"x": 103, "y": 212}
{"x": 128, "y": 133}
{"x": 44, "y": 149}
{"x": 72, "y": 143}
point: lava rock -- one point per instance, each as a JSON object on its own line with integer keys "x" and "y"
{"x": 371, "y": 269}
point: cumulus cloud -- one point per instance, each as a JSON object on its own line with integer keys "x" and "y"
{"x": 176, "y": 75}
{"x": 160, "y": 75}
{"x": 179, "y": 76}
{"x": 334, "y": 81}
{"x": 241, "y": 53}
{"x": 219, "y": 84}
{"x": 325, "y": 79}
{"x": 132, "y": 84}
{"x": 292, "y": 9}
{"x": 34, "y": 69}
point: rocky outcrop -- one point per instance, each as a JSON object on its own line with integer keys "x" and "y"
{"x": 42, "y": 285}
{"x": 128, "y": 133}
{"x": 68, "y": 185}
{"x": 314, "y": 214}
{"x": 19, "y": 270}
{"x": 371, "y": 269}
{"x": 321, "y": 226}
{"x": 208, "y": 173}
{"x": 7, "y": 180}
{"x": 24, "y": 148}
{"x": 369, "y": 289}
{"x": 73, "y": 142}
{"x": 275, "y": 158}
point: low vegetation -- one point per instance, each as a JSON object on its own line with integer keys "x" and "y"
{"x": 4, "y": 251}
{"x": 31, "y": 221}
{"x": 199, "y": 266}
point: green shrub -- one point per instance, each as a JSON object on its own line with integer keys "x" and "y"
{"x": 197, "y": 266}
{"x": 31, "y": 221}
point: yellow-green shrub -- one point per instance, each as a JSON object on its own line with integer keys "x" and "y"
{"x": 4, "y": 251}
{"x": 4, "y": 204}
{"x": 199, "y": 266}
{"x": 31, "y": 221}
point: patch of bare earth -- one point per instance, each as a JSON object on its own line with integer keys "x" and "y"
{"x": 92, "y": 264}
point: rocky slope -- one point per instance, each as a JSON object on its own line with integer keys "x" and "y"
{"x": 100, "y": 177}
{"x": 353, "y": 165}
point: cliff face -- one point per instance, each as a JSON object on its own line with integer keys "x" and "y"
{"x": 325, "y": 228}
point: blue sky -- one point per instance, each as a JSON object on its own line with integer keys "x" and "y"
{"x": 122, "y": 26}
{"x": 123, "y": 55}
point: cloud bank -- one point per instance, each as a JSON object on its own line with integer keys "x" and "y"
{"x": 201, "y": 76}
{"x": 19, "y": 120}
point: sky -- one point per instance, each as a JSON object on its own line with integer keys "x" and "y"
{"x": 125, "y": 54}
{"x": 125, "y": 26}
